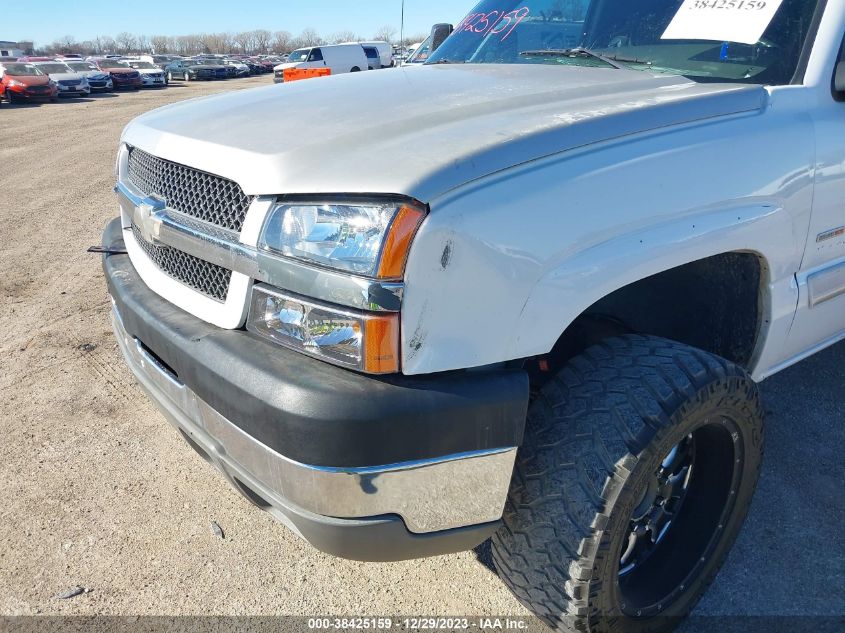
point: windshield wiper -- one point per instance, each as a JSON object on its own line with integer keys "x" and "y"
{"x": 611, "y": 60}
{"x": 630, "y": 60}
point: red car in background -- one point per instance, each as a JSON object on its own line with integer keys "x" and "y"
{"x": 20, "y": 81}
{"x": 122, "y": 74}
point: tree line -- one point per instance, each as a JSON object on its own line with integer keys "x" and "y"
{"x": 257, "y": 42}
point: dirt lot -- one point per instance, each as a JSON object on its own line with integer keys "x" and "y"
{"x": 96, "y": 490}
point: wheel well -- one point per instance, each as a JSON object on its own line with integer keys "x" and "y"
{"x": 713, "y": 304}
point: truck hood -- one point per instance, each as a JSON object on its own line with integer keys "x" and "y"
{"x": 421, "y": 131}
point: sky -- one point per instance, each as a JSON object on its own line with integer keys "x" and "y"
{"x": 45, "y": 21}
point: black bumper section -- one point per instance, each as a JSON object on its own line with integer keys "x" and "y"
{"x": 322, "y": 415}
{"x": 313, "y": 412}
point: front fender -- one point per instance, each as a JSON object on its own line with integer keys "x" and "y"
{"x": 503, "y": 265}
{"x": 563, "y": 293}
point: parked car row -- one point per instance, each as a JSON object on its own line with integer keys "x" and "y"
{"x": 209, "y": 66}
{"x": 48, "y": 78}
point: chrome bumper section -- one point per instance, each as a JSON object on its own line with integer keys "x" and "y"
{"x": 430, "y": 495}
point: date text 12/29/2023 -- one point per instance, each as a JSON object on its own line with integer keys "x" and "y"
{"x": 420, "y": 624}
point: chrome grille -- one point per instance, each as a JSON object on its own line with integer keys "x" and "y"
{"x": 204, "y": 277}
{"x": 192, "y": 192}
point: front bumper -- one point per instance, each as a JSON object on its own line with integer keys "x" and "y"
{"x": 363, "y": 468}
{"x": 77, "y": 91}
{"x": 119, "y": 83}
{"x": 26, "y": 93}
{"x": 149, "y": 81}
{"x": 101, "y": 86}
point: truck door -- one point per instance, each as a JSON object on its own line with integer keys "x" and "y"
{"x": 820, "y": 319}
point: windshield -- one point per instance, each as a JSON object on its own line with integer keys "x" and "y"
{"x": 300, "y": 55}
{"x": 143, "y": 66}
{"x": 110, "y": 63}
{"x": 81, "y": 67}
{"x": 51, "y": 69}
{"x": 21, "y": 70}
{"x": 751, "y": 41}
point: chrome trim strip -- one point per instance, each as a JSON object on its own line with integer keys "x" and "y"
{"x": 826, "y": 285}
{"x": 430, "y": 495}
{"x": 222, "y": 247}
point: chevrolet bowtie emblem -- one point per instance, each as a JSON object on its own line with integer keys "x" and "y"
{"x": 148, "y": 218}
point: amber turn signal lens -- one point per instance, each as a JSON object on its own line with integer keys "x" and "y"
{"x": 394, "y": 255}
{"x": 381, "y": 344}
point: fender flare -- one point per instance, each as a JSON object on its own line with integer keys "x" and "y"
{"x": 573, "y": 284}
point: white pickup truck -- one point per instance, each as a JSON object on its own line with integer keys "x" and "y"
{"x": 607, "y": 220}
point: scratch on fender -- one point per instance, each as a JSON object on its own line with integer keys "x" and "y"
{"x": 418, "y": 339}
{"x": 446, "y": 258}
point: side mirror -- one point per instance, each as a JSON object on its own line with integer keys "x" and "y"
{"x": 439, "y": 33}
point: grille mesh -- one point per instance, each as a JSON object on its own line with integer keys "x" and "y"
{"x": 209, "y": 279}
{"x": 190, "y": 191}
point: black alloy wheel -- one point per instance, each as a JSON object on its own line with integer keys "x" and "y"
{"x": 638, "y": 467}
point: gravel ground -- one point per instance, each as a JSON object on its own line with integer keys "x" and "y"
{"x": 98, "y": 491}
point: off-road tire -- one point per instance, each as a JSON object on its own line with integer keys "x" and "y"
{"x": 594, "y": 435}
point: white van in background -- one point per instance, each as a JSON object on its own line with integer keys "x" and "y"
{"x": 385, "y": 52}
{"x": 340, "y": 58}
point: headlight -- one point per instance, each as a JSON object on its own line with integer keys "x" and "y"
{"x": 361, "y": 341}
{"x": 369, "y": 239}
{"x": 15, "y": 82}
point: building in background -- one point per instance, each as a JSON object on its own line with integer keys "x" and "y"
{"x": 15, "y": 49}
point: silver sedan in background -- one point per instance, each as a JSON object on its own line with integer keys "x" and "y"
{"x": 98, "y": 80}
{"x": 70, "y": 82}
